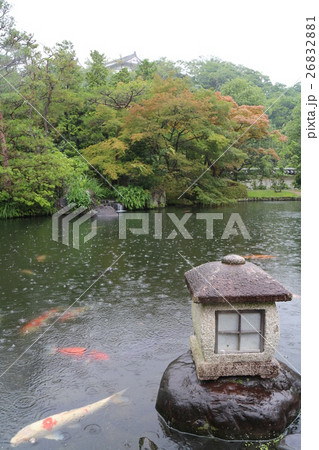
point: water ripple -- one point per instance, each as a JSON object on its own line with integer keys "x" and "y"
{"x": 93, "y": 429}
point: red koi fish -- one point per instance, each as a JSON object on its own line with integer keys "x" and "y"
{"x": 71, "y": 313}
{"x": 38, "y": 322}
{"x": 258, "y": 256}
{"x": 82, "y": 351}
{"x": 93, "y": 354}
{"x": 49, "y": 428}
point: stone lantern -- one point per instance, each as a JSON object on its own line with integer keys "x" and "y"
{"x": 229, "y": 385}
{"x": 235, "y": 319}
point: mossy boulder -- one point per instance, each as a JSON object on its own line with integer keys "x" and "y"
{"x": 232, "y": 408}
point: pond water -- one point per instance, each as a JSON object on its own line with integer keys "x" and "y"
{"x": 138, "y": 313}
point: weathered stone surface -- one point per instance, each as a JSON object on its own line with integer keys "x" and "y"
{"x": 218, "y": 282}
{"x": 61, "y": 203}
{"x": 233, "y": 259}
{"x": 158, "y": 199}
{"x": 243, "y": 408}
{"x": 226, "y": 366}
{"x": 211, "y": 365}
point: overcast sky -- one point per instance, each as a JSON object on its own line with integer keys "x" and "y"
{"x": 264, "y": 36}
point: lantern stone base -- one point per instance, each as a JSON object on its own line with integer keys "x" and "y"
{"x": 213, "y": 370}
{"x": 232, "y": 408}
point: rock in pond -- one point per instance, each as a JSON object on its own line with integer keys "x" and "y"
{"x": 105, "y": 212}
{"x": 291, "y": 442}
{"x": 232, "y": 408}
{"x": 146, "y": 444}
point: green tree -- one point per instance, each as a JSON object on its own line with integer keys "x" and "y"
{"x": 15, "y": 48}
{"x": 97, "y": 72}
{"x": 292, "y": 153}
{"x": 146, "y": 70}
{"x": 244, "y": 92}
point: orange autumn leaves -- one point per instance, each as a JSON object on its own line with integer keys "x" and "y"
{"x": 181, "y": 131}
{"x": 174, "y": 117}
{"x": 252, "y": 125}
{"x": 170, "y": 116}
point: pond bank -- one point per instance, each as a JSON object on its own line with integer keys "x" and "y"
{"x": 269, "y": 199}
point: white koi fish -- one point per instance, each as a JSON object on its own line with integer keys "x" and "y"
{"x": 49, "y": 427}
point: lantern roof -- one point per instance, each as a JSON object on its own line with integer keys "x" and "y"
{"x": 233, "y": 280}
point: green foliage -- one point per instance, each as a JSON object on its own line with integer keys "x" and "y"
{"x": 214, "y": 73}
{"x": 291, "y": 155}
{"x": 85, "y": 191}
{"x": 33, "y": 183}
{"x": 9, "y": 210}
{"x": 278, "y": 183}
{"x": 214, "y": 191}
{"x": 260, "y": 186}
{"x": 132, "y": 197}
{"x": 161, "y": 125}
{"x": 97, "y": 72}
{"x": 212, "y": 198}
{"x": 78, "y": 192}
{"x": 234, "y": 190}
{"x": 244, "y": 92}
{"x": 146, "y": 69}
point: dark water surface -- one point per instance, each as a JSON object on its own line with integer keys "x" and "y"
{"x": 138, "y": 313}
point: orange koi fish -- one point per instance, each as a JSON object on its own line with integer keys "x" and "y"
{"x": 41, "y": 258}
{"x": 38, "y": 322}
{"x": 76, "y": 351}
{"x": 71, "y": 314}
{"x": 27, "y": 271}
{"x": 258, "y": 256}
{"x": 49, "y": 428}
{"x": 93, "y": 354}
{"x": 82, "y": 351}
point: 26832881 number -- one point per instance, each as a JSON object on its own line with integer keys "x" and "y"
{"x": 310, "y": 47}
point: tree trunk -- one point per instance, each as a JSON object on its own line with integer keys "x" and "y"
{"x": 214, "y": 170}
{"x": 48, "y": 102}
{"x": 4, "y": 148}
{"x": 46, "y": 109}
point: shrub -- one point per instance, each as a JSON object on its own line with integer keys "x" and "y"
{"x": 85, "y": 191}
{"x": 234, "y": 190}
{"x": 132, "y": 197}
{"x": 32, "y": 183}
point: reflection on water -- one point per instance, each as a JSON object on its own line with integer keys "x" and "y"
{"x": 138, "y": 314}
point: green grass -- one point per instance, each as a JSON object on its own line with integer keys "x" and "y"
{"x": 269, "y": 193}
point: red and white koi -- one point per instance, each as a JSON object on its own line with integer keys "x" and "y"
{"x": 49, "y": 428}
{"x": 71, "y": 313}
